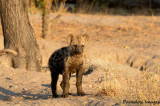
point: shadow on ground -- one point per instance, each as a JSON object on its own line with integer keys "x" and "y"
{"x": 6, "y": 95}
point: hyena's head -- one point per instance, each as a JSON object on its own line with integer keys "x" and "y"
{"x": 77, "y": 43}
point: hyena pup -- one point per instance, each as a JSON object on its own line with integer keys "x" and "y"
{"x": 66, "y": 61}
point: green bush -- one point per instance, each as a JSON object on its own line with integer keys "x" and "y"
{"x": 39, "y": 3}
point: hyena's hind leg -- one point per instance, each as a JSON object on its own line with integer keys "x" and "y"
{"x": 54, "y": 79}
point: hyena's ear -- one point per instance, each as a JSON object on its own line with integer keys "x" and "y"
{"x": 70, "y": 38}
{"x": 86, "y": 37}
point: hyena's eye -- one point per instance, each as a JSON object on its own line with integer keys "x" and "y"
{"x": 82, "y": 45}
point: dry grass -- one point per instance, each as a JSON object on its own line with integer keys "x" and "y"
{"x": 144, "y": 86}
{"x": 60, "y": 9}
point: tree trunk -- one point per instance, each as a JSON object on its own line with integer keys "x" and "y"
{"x": 45, "y": 18}
{"x": 19, "y": 35}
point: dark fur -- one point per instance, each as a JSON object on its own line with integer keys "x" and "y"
{"x": 66, "y": 61}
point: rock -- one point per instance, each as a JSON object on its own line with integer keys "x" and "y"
{"x": 10, "y": 86}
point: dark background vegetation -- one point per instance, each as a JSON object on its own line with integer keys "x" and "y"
{"x": 112, "y": 3}
{"x": 112, "y": 6}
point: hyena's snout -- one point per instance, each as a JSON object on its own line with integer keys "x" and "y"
{"x": 77, "y": 49}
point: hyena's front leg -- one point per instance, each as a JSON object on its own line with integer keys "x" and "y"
{"x": 62, "y": 83}
{"x": 79, "y": 74}
{"x": 65, "y": 83}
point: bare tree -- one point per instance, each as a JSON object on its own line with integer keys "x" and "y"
{"x": 20, "y": 44}
{"x": 45, "y": 18}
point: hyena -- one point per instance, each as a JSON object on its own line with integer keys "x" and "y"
{"x": 68, "y": 60}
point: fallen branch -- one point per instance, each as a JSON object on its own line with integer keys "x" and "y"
{"x": 54, "y": 20}
{"x": 8, "y": 51}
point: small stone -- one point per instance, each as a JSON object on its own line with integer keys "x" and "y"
{"x": 90, "y": 86}
{"x": 36, "y": 97}
{"x": 8, "y": 78}
{"x": 11, "y": 98}
{"x": 10, "y": 86}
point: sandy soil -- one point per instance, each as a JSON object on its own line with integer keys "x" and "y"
{"x": 118, "y": 47}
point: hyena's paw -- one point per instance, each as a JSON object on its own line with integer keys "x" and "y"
{"x": 65, "y": 95}
{"x": 81, "y": 93}
{"x": 55, "y": 96}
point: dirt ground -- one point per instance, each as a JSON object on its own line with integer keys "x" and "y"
{"x": 119, "y": 51}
